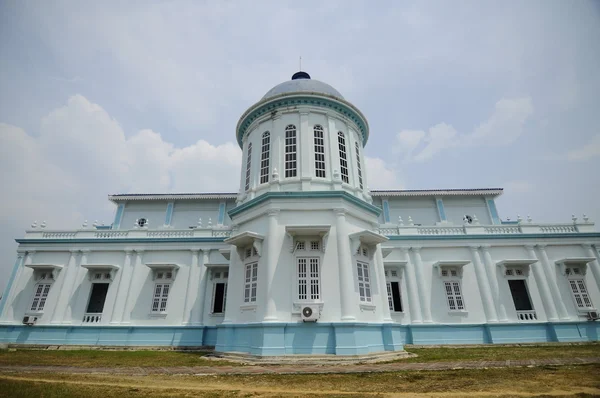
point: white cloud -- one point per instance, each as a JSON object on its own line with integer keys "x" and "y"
{"x": 518, "y": 186}
{"x": 589, "y": 150}
{"x": 381, "y": 175}
{"x": 505, "y": 126}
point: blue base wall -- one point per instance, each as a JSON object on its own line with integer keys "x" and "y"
{"x": 302, "y": 338}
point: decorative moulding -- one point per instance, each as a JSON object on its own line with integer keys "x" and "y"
{"x": 368, "y": 238}
{"x": 156, "y": 267}
{"x": 454, "y": 264}
{"x": 225, "y": 253}
{"x": 54, "y": 269}
{"x": 582, "y": 262}
{"x": 524, "y": 264}
{"x": 294, "y": 231}
{"x": 104, "y": 268}
{"x": 245, "y": 239}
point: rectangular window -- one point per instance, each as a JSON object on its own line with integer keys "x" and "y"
{"x": 290, "y": 151}
{"x": 364, "y": 281}
{"x": 248, "y": 166}
{"x": 40, "y": 296}
{"x": 264, "y": 157}
{"x": 97, "y": 298}
{"x": 161, "y": 295}
{"x": 358, "y": 168}
{"x": 580, "y": 294}
{"x": 308, "y": 279}
{"x": 319, "y": 152}
{"x": 250, "y": 282}
{"x": 343, "y": 159}
{"x": 394, "y": 301}
{"x": 219, "y": 297}
{"x": 520, "y": 296}
{"x": 454, "y": 296}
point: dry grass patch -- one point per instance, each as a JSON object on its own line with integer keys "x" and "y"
{"x": 580, "y": 381}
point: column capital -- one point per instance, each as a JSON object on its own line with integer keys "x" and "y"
{"x": 85, "y": 251}
{"x": 541, "y": 247}
{"x": 473, "y": 248}
{"x": 529, "y": 247}
{"x": 416, "y": 249}
{"x": 273, "y": 212}
{"x": 405, "y": 249}
{"x": 139, "y": 251}
{"x": 20, "y": 254}
{"x": 486, "y": 248}
{"x": 128, "y": 252}
{"x": 195, "y": 251}
{"x": 587, "y": 245}
{"x": 30, "y": 252}
{"x": 340, "y": 211}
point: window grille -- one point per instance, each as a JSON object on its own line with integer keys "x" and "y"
{"x": 314, "y": 245}
{"x": 358, "y": 168}
{"x": 394, "y": 296}
{"x": 107, "y": 276}
{"x": 580, "y": 294}
{"x": 519, "y": 272}
{"x": 444, "y": 272}
{"x": 40, "y": 296}
{"x": 161, "y": 295}
{"x": 319, "y": 151}
{"x": 97, "y": 275}
{"x": 290, "y": 151}
{"x": 509, "y": 272}
{"x": 394, "y": 273}
{"x": 454, "y": 296}
{"x": 264, "y": 157}
{"x": 343, "y": 158}
{"x": 248, "y": 166}
{"x": 364, "y": 281}
{"x": 250, "y": 282}
{"x": 300, "y": 245}
{"x": 453, "y": 272}
{"x": 577, "y": 271}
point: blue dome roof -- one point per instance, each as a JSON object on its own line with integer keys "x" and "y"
{"x": 302, "y": 83}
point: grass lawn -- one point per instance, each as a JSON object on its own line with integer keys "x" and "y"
{"x": 580, "y": 381}
{"x": 98, "y": 358}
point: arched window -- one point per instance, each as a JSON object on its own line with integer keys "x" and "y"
{"x": 290, "y": 151}
{"x": 248, "y": 166}
{"x": 264, "y": 157}
{"x": 319, "y": 151}
{"x": 360, "y": 182}
{"x": 343, "y": 159}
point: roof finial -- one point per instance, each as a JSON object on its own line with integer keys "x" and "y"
{"x": 300, "y": 63}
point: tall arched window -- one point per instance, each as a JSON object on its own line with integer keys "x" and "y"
{"x": 360, "y": 182}
{"x": 343, "y": 159}
{"x": 248, "y": 166}
{"x": 290, "y": 151}
{"x": 264, "y": 157}
{"x": 319, "y": 151}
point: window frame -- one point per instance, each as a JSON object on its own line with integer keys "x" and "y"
{"x": 309, "y": 254}
{"x": 291, "y": 151}
{"x": 358, "y": 165}
{"x": 42, "y": 297}
{"x": 579, "y": 279}
{"x": 451, "y": 277}
{"x": 265, "y": 157}
{"x": 250, "y": 276}
{"x": 216, "y": 280}
{"x": 389, "y": 279}
{"x": 161, "y": 298}
{"x": 248, "y": 167}
{"x": 319, "y": 150}
{"x": 343, "y": 155}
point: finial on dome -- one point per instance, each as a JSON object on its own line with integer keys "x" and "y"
{"x": 300, "y": 75}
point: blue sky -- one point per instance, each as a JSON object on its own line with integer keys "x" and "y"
{"x": 143, "y": 96}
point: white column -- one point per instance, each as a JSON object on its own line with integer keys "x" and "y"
{"x": 192, "y": 287}
{"x": 62, "y": 312}
{"x": 115, "y": 315}
{"x": 411, "y": 285}
{"x": 423, "y": 293}
{"x": 550, "y": 271}
{"x": 540, "y": 280}
{"x": 304, "y": 147}
{"x": 594, "y": 266}
{"x": 385, "y": 306}
{"x": 236, "y": 278}
{"x": 270, "y": 265}
{"x": 198, "y": 316}
{"x": 126, "y": 311}
{"x": 493, "y": 279}
{"x": 332, "y": 157}
{"x": 6, "y": 312}
{"x": 345, "y": 265}
{"x": 484, "y": 287}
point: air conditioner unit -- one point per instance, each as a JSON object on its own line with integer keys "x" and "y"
{"x": 593, "y": 315}
{"x": 310, "y": 313}
{"x": 29, "y": 320}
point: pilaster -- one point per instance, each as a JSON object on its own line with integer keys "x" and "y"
{"x": 198, "y": 315}
{"x": 484, "y": 286}
{"x": 192, "y": 287}
{"x": 542, "y": 284}
{"x": 550, "y": 272}
{"x": 345, "y": 265}
{"x": 591, "y": 251}
{"x": 126, "y": 318}
{"x": 423, "y": 296}
{"x": 270, "y": 265}
{"x": 492, "y": 274}
{"x": 124, "y": 273}
{"x": 411, "y": 285}
{"x": 7, "y": 297}
{"x": 382, "y": 288}
{"x": 62, "y": 312}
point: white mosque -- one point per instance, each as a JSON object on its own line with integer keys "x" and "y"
{"x": 304, "y": 258}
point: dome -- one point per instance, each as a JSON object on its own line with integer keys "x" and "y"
{"x": 302, "y": 83}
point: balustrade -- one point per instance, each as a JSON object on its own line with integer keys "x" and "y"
{"x": 526, "y": 316}
{"x": 92, "y": 318}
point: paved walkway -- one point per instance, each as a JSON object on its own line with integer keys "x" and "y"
{"x": 300, "y": 369}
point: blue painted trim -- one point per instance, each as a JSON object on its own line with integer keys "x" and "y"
{"x": 221, "y": 219}
{"x": 441, "y": 210}
{"x": 304, "y": 195}
{"x": 386, "y": 211}
{"x": 493, "y": 211}
{"x": 345, "y": 109}
{"x": 509, "y": 222}
{"x": 118, "y": 216}
{"x": 120, "y": 240}
{"x": 169, "y": 214}
{"x": 11, "y": 279}
{"x": 494, "y": 236}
